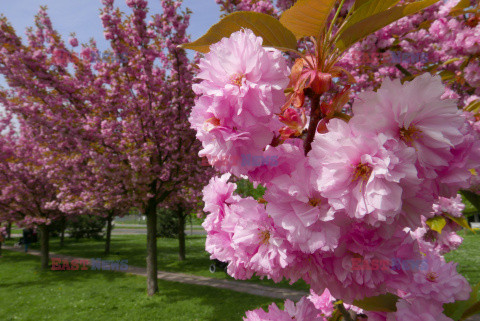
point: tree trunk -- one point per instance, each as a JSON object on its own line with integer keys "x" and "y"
{"x": 62, "y": 235}
{"x": 151, "y": 214}
{"x": 44, "y": 245}
{"x": 0, "y": 249}
{"x": 9, "y": 230}
{"x": 109, "y": 232}
{"x": 181, "y": 234}
{"x": 191, "y": 225}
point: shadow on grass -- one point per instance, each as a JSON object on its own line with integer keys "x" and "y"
{"x": 132, "y": 248}
{"x": 31, "y": 264}
{"x": 96, "y": 295}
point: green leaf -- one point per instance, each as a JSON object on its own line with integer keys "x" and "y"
{"x": 455, "y": 310}
{"x": 358, "y": 4}
{"x": 447, "y": 74}
{"x": 437, "y": 223}
{"x": 307, "y": 17}
{"x": 474, "y": 107}
{"x": 363, "y": 28}
{"x": 383, "y": 303}
{"x": 274, "y": 34}
{"x": 460, "y": 310}
{"x": 368, "y": 9}
{"x": 472, "y": 197}
{"x": 472, "y": 310}
{"x": 458, "y": 9}
{"x": 449, "y": 61}
{"x": 460, "y": 221}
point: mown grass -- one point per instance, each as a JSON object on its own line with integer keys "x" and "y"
{"x": 468, "y": 256}
{"x": 27, "y": 293}
{"x": 133, "y": 249}
{"x": 129, "y": 226}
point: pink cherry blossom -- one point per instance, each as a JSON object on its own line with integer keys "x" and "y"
{"x": 414, "y": 114}
{"x": 240, "y": 93}
{"x": 361, "y": 175}
{"x": 295, "y": 205}
{"x": 323, "y": 302}
{"x": 302, "y": 310}
{"x": 439, "y": 281}
{"x": 417, "y": 310}
{"x": 452, "y": 206}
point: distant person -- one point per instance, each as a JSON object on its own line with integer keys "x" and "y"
{"x": 34, "y": 238}
{"x": 27, "y": 237}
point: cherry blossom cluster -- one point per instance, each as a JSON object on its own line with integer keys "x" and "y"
{"x": 114, "y": 130}
{"x": 314, "y": 307}
{"x": 360, "y": 191}
{"x": 28, "y": 195}
{"x": 263, "y": 6}
{"x": 449, "y": 41}
{"x": 436, "y": 37}
{"x": 448, "y": 240}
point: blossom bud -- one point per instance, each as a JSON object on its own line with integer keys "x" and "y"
{"x": 73, "y": 42}
{"x": 321, "y": 83}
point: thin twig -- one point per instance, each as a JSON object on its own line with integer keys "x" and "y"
{"x": 315, "y": 117}
{"x": 346, "y": 315}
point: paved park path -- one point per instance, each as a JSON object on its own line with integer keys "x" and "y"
{"x": 238, "y": 286}
{"x": 138, "y": 229}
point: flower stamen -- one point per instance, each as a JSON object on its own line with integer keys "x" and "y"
{"x": 408, "y": 135}
{"x": 237, "y": 79}
{"x": 264, "y": 236}
{"x": 362, "y": 171}
{"x": 432, "y": 277}
{"x": 211, "y": 123}
{"x": 314, "y": 202}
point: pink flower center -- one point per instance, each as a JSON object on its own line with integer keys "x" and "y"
{"x": 430, "y": 236}
{"x": 211, "y": 123}
{"x": 432, "y": 277}
{"x": 237, "y": 79}
{"x": 362, "y": 171}
{"x": 264, "y": 236}
{"x": 314, "y": 202}
{"x": 409, "y": 134}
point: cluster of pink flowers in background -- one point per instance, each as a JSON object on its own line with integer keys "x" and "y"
{"x": 448, "y": 240}
{"x": 446, "y": 38}
{"x": 364, "y": 191}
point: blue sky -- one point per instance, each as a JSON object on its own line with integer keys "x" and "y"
{"x": 81, "y": 16}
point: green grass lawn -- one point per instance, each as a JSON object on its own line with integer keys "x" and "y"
{"x": 16, "y": 231}
{"x": 131, "y": 221}
{"x": 129, "y": 226}
{"x": 26, "y": 293}
{"x": 468, "y": 257}
{"x": 133, "y": 249}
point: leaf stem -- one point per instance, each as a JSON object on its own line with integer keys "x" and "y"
{"x": 330, "y": 28}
